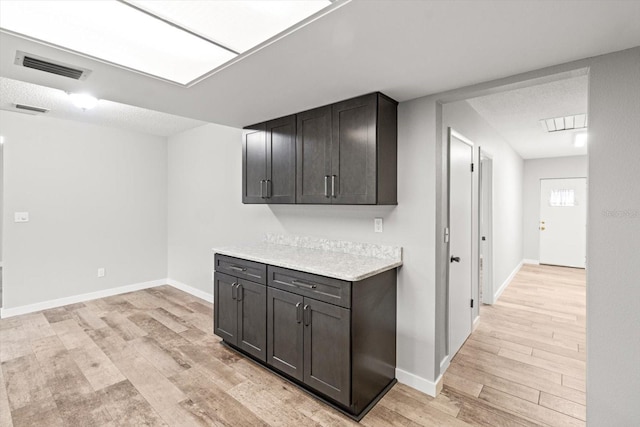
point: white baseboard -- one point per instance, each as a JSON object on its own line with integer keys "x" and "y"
{"x": 191, "y": 290}
{"x": 531, "y": 261}
{"x": 419, "y": 383}
{"x": 507, "y": 281}
{"x": 44, "y": 305}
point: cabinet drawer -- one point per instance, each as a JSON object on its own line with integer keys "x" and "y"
{"x": 242, "y": 268}
{"x": 321, "y": 288}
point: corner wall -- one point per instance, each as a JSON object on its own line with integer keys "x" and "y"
{"x": 96, "y": 197}
{"x": 534, "y": 170}
{"x": 613, "y": 241}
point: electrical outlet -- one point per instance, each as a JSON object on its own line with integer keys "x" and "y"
{"x": 101, "y": 272}
{"x": 377, "y": 225}
{"x": 21, "y": 216}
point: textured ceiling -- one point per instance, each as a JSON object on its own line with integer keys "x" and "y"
{"x": 516, "y": 114}
{"x": 403, "y": 48}
{"x": 106, "y": 113}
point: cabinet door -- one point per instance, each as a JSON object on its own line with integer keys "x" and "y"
{"x": 353, "y": 150}
{"x": 252, "y": 316}
{"x": 285, "y": 332}
{"x": 254, "y": 164}
{"x": 225, "y": 309}
{"x": 313, "y": 151}
{"x": 327, "y": 350}
{"x": 281, "y": 160}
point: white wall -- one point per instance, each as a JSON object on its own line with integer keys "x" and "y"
{"x": 534, "y": 171}
{"x": 205, "y": 210}
{"x": 613, "y": 236}
{"x": 96, "y": 197}
{"x": 507, "y": 190}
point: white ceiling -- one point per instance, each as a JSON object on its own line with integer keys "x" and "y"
{"x": 405, "y": 49}
{"x": 106, "y": 113}
{"x": 516, "y": 114}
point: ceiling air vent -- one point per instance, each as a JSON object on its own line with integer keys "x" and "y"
{"x": 30, "y": 108}
{"x": 49, "y": 66}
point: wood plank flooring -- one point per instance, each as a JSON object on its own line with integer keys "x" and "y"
{"x": 149, "y": 358}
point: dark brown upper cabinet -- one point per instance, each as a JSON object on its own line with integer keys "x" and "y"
{"x": 347, "y": 152}
{"x": 268, "y": 162}
{"x": 344, "y": 153}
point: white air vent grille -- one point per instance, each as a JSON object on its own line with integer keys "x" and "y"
{"x": 557, "y": 124}
{"x": 50, "y": 66}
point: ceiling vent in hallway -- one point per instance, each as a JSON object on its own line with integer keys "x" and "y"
{"x": 50, "y": 66}
{"x": 557, "y": 124}
{"x": 30, "y": 109}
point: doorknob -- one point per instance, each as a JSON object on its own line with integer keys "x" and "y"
{"x": 542, "y": 228}
{"x": 455, "y": 258}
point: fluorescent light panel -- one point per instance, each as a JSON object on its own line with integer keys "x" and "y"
{"x": 238, "y": 25}
{"x": 117, "y": 33}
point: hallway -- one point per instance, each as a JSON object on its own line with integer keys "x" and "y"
{"x": 525, "y": 362}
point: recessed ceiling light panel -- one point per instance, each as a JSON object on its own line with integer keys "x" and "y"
{"x": 178, "y": 41}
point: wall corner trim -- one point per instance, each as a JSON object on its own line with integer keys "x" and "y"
{"x": 191, "y": 290}
{"x": 531, "y": 261}
{"x": 419, "y": 383}
{"x": 507, "y": 281}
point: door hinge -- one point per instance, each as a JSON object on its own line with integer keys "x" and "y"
{"x": 446, "y": 235}
{"x": 471, "y": 167}
{"x": 471, "y": 303}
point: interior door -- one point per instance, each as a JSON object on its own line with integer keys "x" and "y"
{"x": 563, "y": 222}
{"x": 460, "y": 240}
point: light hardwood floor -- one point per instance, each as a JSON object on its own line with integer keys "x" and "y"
{"x": 149, "y": 358}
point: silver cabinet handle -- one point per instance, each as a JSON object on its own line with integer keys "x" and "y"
{"x": 261, "y": 189}
{"x": 303, "y": 284}
{"x": 234, "y": 291}
{"x": 236, "y": 268}
{"x": 268, "y": 182}
{"x": 298, "y": 312}
{"x": 333, "y": 185}
{"x": 239, "y": 290}
{"x": 307, "y": 315}
{"x": 326, "y": 186}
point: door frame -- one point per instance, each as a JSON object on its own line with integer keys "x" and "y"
{"x": 451, "y": 133}
{"x": 487, "y": 284}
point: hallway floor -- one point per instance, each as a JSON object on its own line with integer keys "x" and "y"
{"x": 526, "y": 361}
{"x": 149, "y": 358}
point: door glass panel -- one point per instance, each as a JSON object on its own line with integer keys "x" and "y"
{"x": 562, "y": 198}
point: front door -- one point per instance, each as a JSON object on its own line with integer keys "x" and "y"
{"x": 461, "y": 238}
{"x": 563, "y": 222}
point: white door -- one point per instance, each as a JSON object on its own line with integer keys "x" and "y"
{"x": 460, "y": 240}
{"x": 486, "y": 229}
{"x": 563, "y": 222}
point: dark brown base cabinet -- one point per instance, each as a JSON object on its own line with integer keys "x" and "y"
{"x": 334, "y": 338}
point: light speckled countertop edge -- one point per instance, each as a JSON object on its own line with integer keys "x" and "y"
{"x": 307, "y": 269}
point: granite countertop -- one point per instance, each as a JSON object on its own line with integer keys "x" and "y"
{"x": 332, "y": 258}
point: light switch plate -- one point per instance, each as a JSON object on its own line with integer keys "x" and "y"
{"x": 377, "y": 225}
{"x": 101, "y": 272}
{"x": 21, "y": 216}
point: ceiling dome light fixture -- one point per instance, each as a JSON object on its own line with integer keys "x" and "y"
{"x": 83, "y": 100}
